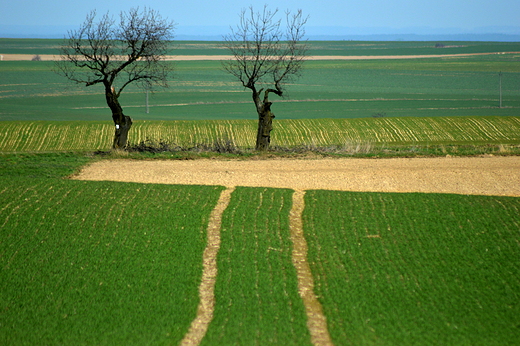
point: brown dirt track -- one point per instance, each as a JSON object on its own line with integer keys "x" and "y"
{"x": 493, "y": 175}
{"x": 48, "y": 57}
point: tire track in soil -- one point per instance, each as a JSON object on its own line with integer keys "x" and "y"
{"x": 316, "y": 320}
{"x": 206, "y": 307}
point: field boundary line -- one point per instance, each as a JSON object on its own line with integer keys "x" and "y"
{"x": 206, "y": 307}
{"x": 316, "y": 320}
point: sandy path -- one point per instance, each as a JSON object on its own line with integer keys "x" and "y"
{"x": 206, "y": 308}
{"x": 472, "y": 175}
{"x": 49, "y": 57}
{"x": 316, "y": 320}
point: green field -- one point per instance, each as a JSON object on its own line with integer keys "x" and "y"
{"x": 112, "y": 263}
{"x": 201, "y": 90}
{"x": 51, "y": 46}
{"x": 108, "y": 263}
{"x": 416, "y": 269}
{"x": 96, "y": 263}
{"x": 37, "y": 136}
{"x": 256, "y": 292}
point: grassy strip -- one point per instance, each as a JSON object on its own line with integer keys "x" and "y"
{"x": 256, "y": 293}
{"x": 408, "y": 269}
{"x": 97, "y": 262}
{"x": 34, "y": 166}
{"x": 353, "y": 136}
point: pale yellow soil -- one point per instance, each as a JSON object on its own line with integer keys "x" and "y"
{"x": 316, "y": 320}
{"x": 492, "y": 175}
{"x": 45, "y": 57}
{"x": 205, "y": 310}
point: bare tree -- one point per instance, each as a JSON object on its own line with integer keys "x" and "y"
{"x": 117, "y": 54}
{"x": 266, "y": 56}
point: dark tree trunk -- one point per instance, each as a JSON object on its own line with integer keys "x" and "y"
{"x": 265, "y": 126}
{"x": 265, "y": 119}
{"x": 121, "y": 133}
{"x": 122, "y": 122}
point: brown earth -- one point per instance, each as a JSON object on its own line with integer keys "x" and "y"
{"x": 493, "y": 175}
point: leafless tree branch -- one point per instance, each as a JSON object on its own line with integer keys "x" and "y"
{"x": 116, "y": 55}
{"x": 131, "y": 50}
{"x": 262, "y": 52}
{"x": 267, "y": 57}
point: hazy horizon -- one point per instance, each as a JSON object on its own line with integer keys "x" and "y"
{"x": 212, "y": 33}
{"x": 332, "y": 19}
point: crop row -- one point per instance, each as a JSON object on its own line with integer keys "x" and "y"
{"x": 402, "y": 269}
{"x": 99, "y": 263}
{"x": 120, "y": 263}
{"x": 21, "y": 136}
{"x": 102, "y": 262}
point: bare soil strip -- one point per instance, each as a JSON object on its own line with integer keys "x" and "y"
{"x": 206, "y": 307}
{"x": 50, "y": 57}
{"x": 316, "y": 320}
{"x": 496, "y": 175}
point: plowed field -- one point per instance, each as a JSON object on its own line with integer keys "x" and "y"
{"x": 460, "y": 175}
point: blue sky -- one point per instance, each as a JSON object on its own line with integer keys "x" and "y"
{"x": 209, "y": 16}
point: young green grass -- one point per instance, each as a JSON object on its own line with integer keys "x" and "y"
{"x": 408, "y": 269}
{"x": 201, "y": 90}
{"x": 43, "y": 165}
{"x": 256, "y": 292}
{"x": 97, "y": 262}
{"x": 120, "y": 263}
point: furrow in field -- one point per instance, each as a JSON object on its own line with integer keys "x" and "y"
{"x": 484, "y": 126}
{"x": 424, "y": 129}
{"x": 408, "y": 133}
{"x": 52, "y": 136}
{"x": 27, "y": 136}
{"x": 440, "y": 130}
{"x": 45, "y": 134}
{"x": 206, "y": 307}
{"x": 348, "y": 131}
{"x": 461, "y": 130}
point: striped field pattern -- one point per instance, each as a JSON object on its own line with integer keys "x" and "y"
{"x": 45, "y": 136}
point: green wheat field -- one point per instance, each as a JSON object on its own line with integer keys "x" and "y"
{"x": 109, "y": 263}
